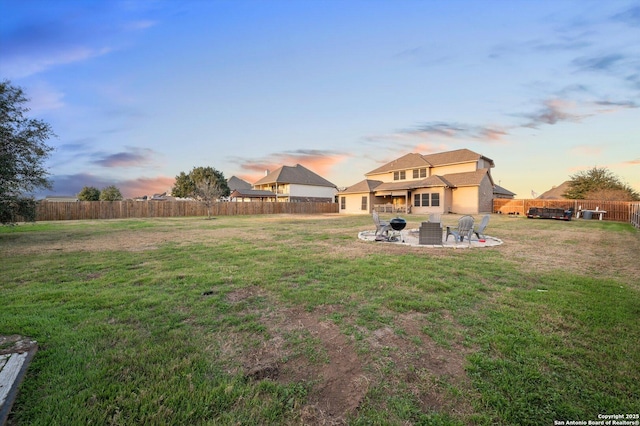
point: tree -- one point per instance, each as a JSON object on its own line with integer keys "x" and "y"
{"x": 205, "y": 184}
{"x": 23, "y": 150}
{"x": 89, "y": 193}
{"x": 110, "y": 193}
{"x": 599, "y": 183}
{"x": 184, "y": 186}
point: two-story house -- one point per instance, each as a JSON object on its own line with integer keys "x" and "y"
{"x": 297, "y": 184}
{"x": 449, "y": 182}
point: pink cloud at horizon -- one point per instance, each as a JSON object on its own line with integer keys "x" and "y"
{"x": 320, "y": 162}
{"x": 146, "y": 186}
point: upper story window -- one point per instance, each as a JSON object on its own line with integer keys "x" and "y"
{"x": 401, "y": 175}
{"x": 419, "y": 173}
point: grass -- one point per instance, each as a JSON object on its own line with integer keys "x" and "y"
{"x": 165, "y": 321}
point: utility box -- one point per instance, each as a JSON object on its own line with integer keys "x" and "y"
{"x": 430, "y": 233}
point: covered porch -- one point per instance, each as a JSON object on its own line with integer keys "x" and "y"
{"x": 392, "y": 201}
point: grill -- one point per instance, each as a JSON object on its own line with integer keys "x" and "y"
{"x": 398, "y": 223}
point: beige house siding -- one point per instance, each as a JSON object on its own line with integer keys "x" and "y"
{"x": 473, "y": 199}
{"x": 465, "y": 200}
{"x": 353, "y": 203}
{"x": 442, "y": 193}
{"x": 454, "y": 168}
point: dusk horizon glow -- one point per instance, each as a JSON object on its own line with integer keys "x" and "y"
{"x": 139, "y": 91}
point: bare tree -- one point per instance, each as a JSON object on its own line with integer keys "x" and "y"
{"x": 205, "y": 184}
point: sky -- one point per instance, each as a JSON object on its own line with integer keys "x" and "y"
{"x": 138, "y": 91}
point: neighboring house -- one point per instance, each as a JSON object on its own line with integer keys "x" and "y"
{"x": 235, "y": 182}
{"x": 241, "y": 190}
{"x": 455, "y": 181}
{"x": 500, "y": 192}
{"x": 556, "y": 193}
{"x": 297, "y": 184}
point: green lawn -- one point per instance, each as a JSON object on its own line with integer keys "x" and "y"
{"x": 293, "y": 320}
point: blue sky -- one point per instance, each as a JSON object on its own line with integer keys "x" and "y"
{"x": 138, "y": 91}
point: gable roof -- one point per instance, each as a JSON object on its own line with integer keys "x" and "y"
{"x": 407, "y": 161}
{"x": 236, "y": 183}
{"x": 468, "y": 178}
{"x": 556, "y": 193}
{"x": 297, "y": 175}
{"x": 455, "y": 157}
{"x": 364, "y": 186}
{"x": 413, "y": 160}
{"x": 497, "y": 189}
{"x": 430, "y": 182}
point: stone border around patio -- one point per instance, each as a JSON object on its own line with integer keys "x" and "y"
{"x": 410, "y": 238}
{"x": 16, "y": 353}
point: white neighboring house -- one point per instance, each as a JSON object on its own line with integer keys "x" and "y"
{"x": 297, "y": 184}
{"x": 456, "y": 181}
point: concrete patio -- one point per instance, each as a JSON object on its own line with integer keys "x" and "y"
{"x": 411, "y": 238}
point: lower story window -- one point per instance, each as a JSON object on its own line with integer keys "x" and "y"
{"x": 426, "y": 200}
{"x": 343, "y": 203}
{"x": 364, "y": 203}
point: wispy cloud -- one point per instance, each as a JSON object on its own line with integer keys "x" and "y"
{"x": 423, "y": 56}
{"x": 42, "y": 97}
{"x": 139, "y": 25}
{"x": 634, "y": 162}
{"x": 630, "y": 16}
{"x": 604, "y": 62}
{"x": 133, "y": 157}
{"x": 561, "y": 43}
{"x": 604, "y": 107}
{"x": 552, "y": 112}
{"x": 586, "y": 150}
{"x": 146, "y": 186}
{"x": 72, "y": 184}
{"x": 48, "y": 38}
{"x": 316, "y": 160}
{"x": 439, "y": 130}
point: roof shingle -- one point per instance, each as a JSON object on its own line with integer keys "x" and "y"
{"x": 297, "y": 175}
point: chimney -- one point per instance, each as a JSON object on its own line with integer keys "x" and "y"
{"x": 266, "y": 172}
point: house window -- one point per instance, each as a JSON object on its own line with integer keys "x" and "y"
{"x": 401, "y": 175}
{"x": 419, "y": 173}
{"x": 343, "y": 203}
{"x": 416, "y": 200}
{"x": 435, "y": 200}
{"x": 425, "y": 200}
{"x": 364, "y": 203}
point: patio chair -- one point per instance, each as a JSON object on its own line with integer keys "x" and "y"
{"x": 382, "y": 227}
{"x": 464, "y": 229}
{"x": 480, "y": 230}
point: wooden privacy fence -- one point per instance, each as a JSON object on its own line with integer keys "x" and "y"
{"x": 620, "y": 211}
{"x": 634, "y": 213}
{"x": 141, "y": 209}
